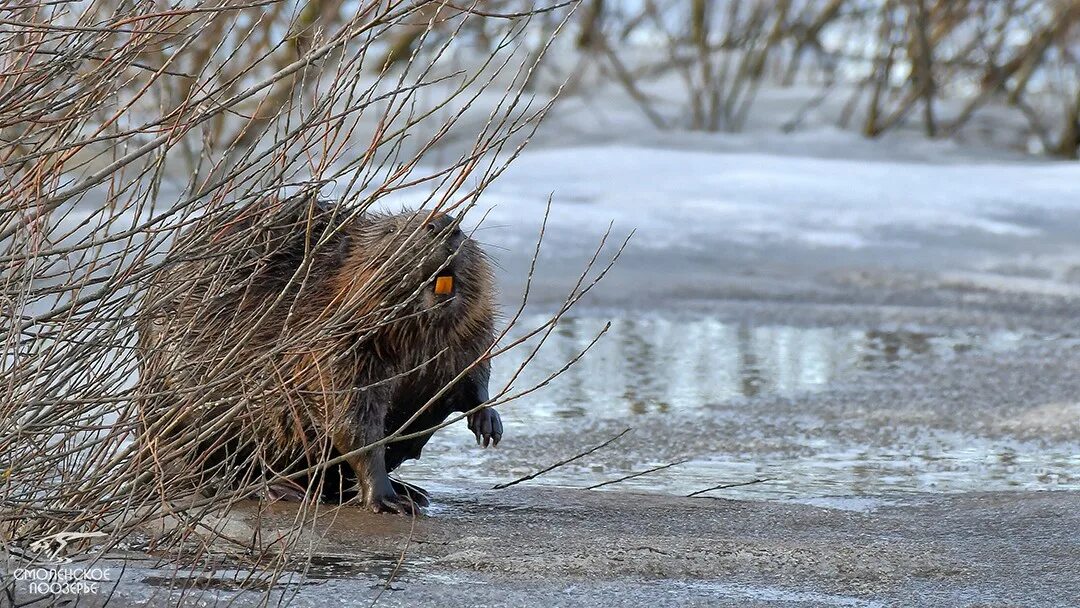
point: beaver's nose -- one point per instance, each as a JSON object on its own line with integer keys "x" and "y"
{"x": 441, "y": 222}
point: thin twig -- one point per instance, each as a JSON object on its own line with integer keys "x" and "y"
{"x": 724, "y": 486}
{"x": 560, "y": 463}
{"x": 638, "y": 474}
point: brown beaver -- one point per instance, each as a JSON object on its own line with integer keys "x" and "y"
{"x": 293, "y": 333}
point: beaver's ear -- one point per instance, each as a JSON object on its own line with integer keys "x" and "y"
{"x": 367, "y": 222}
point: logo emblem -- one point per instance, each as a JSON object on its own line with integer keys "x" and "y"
{"x": 54, "y": 545}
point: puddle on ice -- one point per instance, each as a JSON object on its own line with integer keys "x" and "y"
{"x": 656, "y": 371}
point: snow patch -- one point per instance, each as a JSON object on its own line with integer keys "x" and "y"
{"x": 692, "y": 199}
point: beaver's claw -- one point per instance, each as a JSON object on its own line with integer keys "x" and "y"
{"x": 487, "y": 426}
{"x": 399, "y": 504}
{"x": 419, "y": 495}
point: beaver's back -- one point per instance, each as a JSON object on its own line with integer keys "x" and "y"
{"x": 211, "y": 331}
{"x": 215, "y": 274}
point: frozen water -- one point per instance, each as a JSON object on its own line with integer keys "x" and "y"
{"x": 690, "y": 200}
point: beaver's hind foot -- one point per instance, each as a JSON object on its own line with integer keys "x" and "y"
{"x": 285, "y": 492}
{"x": 418, "y": 495}
{"x": 395, "y": 504}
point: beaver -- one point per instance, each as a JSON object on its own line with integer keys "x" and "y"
{"x": 293, "y": 333}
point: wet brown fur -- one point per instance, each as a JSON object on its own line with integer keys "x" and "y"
{"x": 304, "y": 332}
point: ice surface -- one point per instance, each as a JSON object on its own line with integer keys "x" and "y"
{"x": 691, "y": 199}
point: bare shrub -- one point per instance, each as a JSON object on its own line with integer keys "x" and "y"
{"x": 976, "y": 53}
{"x": 717, "y": 52}
{"x": 123, "y": 128}
{"x": 931, "y": 64}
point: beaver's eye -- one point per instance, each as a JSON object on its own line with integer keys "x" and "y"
{"x": 391, "y": 229}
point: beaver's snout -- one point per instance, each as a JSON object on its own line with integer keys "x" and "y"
{"x": 441, "y": 222}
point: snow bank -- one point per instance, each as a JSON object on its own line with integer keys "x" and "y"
{"x": 691, "y": 199}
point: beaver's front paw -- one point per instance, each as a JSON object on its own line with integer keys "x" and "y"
{"x": 487, "y": 426}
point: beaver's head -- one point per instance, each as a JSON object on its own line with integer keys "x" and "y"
{"x": 428, "y": 262}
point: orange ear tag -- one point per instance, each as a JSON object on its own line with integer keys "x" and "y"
{"x": 444, "y": 285}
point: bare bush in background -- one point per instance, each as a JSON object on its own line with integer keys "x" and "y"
{"x": 930, "y": 65}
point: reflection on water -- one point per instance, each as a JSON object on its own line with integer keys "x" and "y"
{"x": 660, "y": 375}
{"x": 651, "y": 365}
